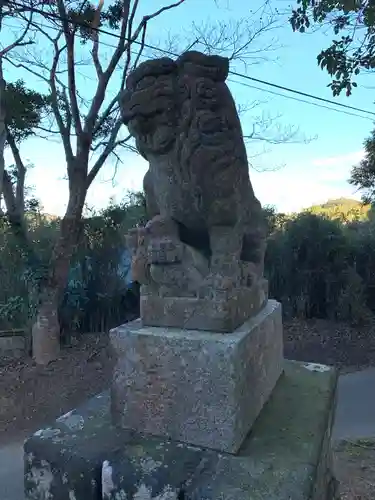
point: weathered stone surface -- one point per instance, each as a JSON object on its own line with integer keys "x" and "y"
{"x": 285, "y": 457}
{"x": 12, "y": 347}
{"x": 221, "y": 312}
{"x": 207, "y": 230}
{"x": 151, "y": 469}
{"x": 69, "y": 460}
{"x": 63, "y": 462}
{"x": 201, "y": 388}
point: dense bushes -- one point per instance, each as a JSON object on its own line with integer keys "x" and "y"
{"x": 317, "y": 267}
{"x": 99, "y": 294}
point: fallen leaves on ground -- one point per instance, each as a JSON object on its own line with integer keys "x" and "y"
{"x": 355, "y": 469}
{"x": 31, "y": 396}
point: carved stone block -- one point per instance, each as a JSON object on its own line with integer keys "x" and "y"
{"x": 206, "y": 236}
{"x": 197, "y": 387}
{"x": 218, "y": 310}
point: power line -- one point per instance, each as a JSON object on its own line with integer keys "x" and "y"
{"x": 318, "y": 105}
{"x": 300, "y": 100}
{"x": 299, "y": 92}
{"x": 234, "y": 73}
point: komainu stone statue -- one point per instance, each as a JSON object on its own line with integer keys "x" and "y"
{"x": 200, "y": 257}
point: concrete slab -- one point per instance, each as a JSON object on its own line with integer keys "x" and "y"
{"x": 355, "y": 418}
{"x": 285, "y": 457}
{"x": 11, "y": 471}
{"x": 355, "y": 414}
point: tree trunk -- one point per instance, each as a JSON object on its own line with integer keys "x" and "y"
{"x": 46, "y": 329}
{"x": 3, "y": 132}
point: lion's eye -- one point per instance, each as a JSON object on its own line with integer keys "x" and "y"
{"x": 145, "y": 82}
{"x": 205, "y": 91}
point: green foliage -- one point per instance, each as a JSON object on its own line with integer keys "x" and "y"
{"x": 24, "y": 109}
{"x": 17, "y": 293}
{"x": 97, "y": 296}
{"x": 320, "y": 265}
{"x": 344, "y": 210}
{"x": 363, "y": 175}
{"x": 305, "y": 262}
{"x": 83, "y": 17}
{"x": 274, "y": 219}
{"x": 355, "y": 49}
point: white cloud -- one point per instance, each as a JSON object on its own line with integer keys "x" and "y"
{"x": 52, "y": 189}
{"x": 293, "y": 188}
{"x": 351, "y": 158}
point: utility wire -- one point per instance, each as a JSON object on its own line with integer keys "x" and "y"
{"x": 170, "y": 53}
{"x": 299, "y": 100}
{"x": 318, "y": 105}
{"x": 299, "y": 92}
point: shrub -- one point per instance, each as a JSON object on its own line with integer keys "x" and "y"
{"x": 309, "y": 264}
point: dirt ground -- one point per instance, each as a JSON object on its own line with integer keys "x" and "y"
{"x": 355, "y": 469}
{"x": 31, "y": 397}
{"x": 339, "y": 344}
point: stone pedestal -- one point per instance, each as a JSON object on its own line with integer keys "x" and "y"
{"x": 219, "y": 311}
{"x": 201, "y": 388}
{"x": 287, "y": 455}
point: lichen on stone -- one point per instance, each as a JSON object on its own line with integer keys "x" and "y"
{"x": 72, "y": 495}
{"x": 317, "y": 367}
{"x": 47, "y": 433}
{"x": 148, "y": 464}
{"x": 41, "y": 479}
{"x": 107, "y": 480}
{"x": 145, "y": 493}
{"x": 73, "y": 421}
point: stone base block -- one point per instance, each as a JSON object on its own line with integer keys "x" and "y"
{"x": 222, "y": 312}
{"x": 13, "y": 346}
{"x": 287, "y": 455}
{"x": 201, "y": 388}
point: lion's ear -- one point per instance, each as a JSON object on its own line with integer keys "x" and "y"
{"x": 201, "y": 65}
{"x": 153, "y": 67}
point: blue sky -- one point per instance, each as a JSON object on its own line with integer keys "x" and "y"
{"x": 289, "y": 176}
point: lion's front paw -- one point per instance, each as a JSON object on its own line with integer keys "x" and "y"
{"x": 164, "y": 251}
{"x": 216, "y": 286}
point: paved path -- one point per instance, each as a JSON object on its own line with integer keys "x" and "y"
{"x": 11, "y": 472}
{"x": 355, "y": 414}
{"x": 355, "y": 418}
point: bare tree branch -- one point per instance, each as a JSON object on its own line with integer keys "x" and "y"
{"x": 95, "y": 54}
{"x": 105, "y": 77}
{"x": 69, "y": 39}
{"x": 26, "y": 68}
{"x": 19, "y": 41}
{"x": 3, "y": 53}
{"x": 105, "y": 153}
{"x": 63, "y": 127}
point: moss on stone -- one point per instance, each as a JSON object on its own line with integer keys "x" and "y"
{"x": 281, "y": 456}
{"x": 285, "y": 457}
{"x": 296, "y": 414}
